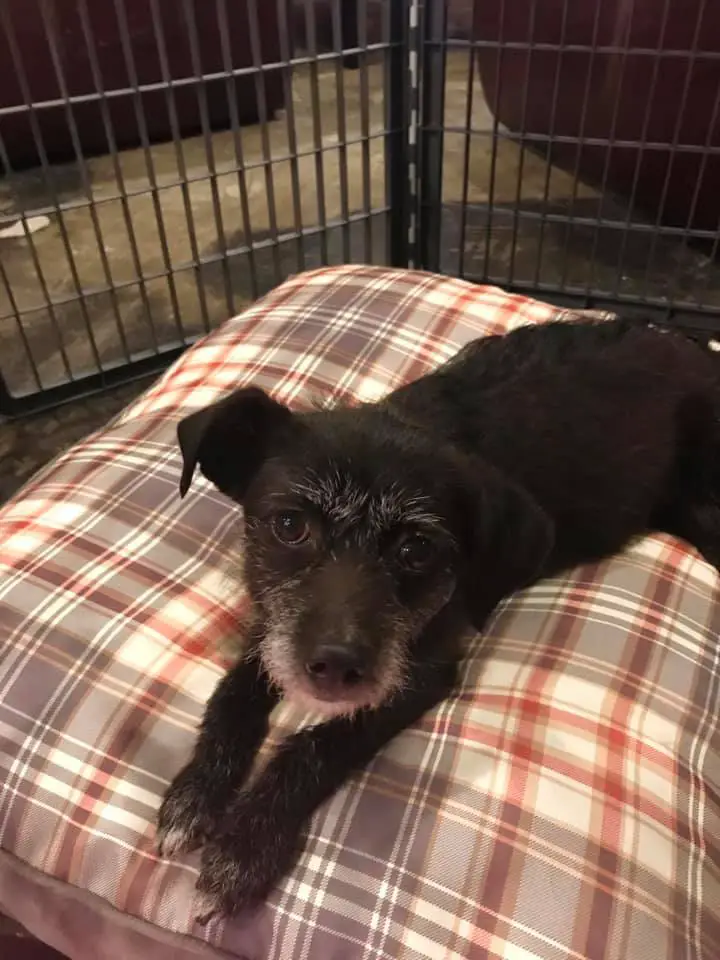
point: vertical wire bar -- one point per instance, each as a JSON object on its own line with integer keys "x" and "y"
{"x": 350, "y": 35}
{"x": 641, "y": 147}
{"x": 138, "y": 109}
{"x": 612, "y": 137}
{"x": 42, "y": 283}
{"x": 22, "y": 79}
{"x": 551, "y": 134}
{"x": 521, "y": 144}
{"x": 591, "y": 285}
{"x": 686, "y": 235}
{"x": 341, "y": 128}
{"x": 400, "y": 128}
{"x": 691, "y": 60}
{"x": 433, "y": 69}
{"x": 469, "y": 103}
{"x": 580, "y": 138}
{"x": 267, "y": 158}
{"x": 202, "y": 101}
{"x": 364, "y": 87}
{"x": 382, "y": 232}
{"x": 495, "y": 141}
{"x": 21, "y": 332}
{"x": 161, "y": 47}
{"x": 230, "y": 92}
{"x": 288, "y": 72}
{"x": 85, "y": 178}
{"x": 317, "y": 129}
{"x": 98, "y": 85}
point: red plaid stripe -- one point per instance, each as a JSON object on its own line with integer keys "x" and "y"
{"x": 563, "y": 804}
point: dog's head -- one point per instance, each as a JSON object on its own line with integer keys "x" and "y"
{"x": 359, "y": 530}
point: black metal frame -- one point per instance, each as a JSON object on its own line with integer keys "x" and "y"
{"x": 415, "y": 49}
{"x": 432, "y": 60}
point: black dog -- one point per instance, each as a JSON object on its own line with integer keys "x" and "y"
{"x": 377, "y": 536}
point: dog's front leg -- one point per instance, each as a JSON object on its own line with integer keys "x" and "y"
{"x": 264, "y": 826}
{"x": 233, "y": 727}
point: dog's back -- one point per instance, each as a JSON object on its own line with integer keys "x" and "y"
{"x": 610, "y": 425}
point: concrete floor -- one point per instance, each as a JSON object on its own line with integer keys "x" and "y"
{"x": 139, "y": 315}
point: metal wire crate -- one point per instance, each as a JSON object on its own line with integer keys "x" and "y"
{"x": 164, "y": 162}
{"x": 572, "y": 152}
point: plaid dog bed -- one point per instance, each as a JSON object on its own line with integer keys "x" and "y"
{"x": 563, "y": 804}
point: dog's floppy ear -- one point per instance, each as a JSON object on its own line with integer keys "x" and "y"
{"x": 228, "y": 440}
{"x": 511, "y": 540}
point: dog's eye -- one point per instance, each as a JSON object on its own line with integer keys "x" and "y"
{"x": 290, "y": 527}
{"x": 416, "y": 553}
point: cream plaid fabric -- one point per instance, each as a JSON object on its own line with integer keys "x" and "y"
{"x": 563, "y": 804}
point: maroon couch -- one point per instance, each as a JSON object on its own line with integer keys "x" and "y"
{"x": 15, "y": 128}
{"x": 665, "y": 102}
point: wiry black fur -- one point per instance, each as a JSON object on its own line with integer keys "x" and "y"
{"x": 523, "y": 456}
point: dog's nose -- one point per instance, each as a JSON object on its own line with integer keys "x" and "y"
{"x": 334, "y": 670}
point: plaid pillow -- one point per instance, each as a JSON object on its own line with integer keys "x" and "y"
{"x": 564, "y": 803}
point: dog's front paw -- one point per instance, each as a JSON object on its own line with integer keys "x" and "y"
{"x": 187, "y": 817}
{"x": 240, "y": 867}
